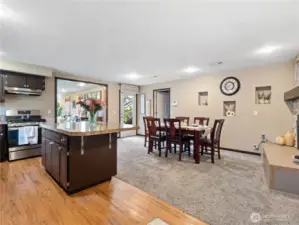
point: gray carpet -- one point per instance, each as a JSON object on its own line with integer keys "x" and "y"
{"x": 226, "y": 192}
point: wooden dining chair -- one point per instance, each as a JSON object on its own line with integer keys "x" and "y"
{"x": 213, "y": 141}
{"x": 183, "y": 119}
{"x": 175, "y": 136}
{"x": 155, "y": 134}
{"x": 146, "y": 129}
{"x": 201, "y": 120}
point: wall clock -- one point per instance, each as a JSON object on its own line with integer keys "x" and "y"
{"x": 230, "y": 86}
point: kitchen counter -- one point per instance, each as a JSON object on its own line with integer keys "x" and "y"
{"x": 3, "y": 123}
{"x": 85, "y": 129}
{"x": 78, "y": 155}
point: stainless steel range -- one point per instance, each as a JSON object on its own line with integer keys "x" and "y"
{"x": 24, "y": 133}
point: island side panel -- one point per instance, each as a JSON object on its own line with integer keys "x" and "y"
{"x": 98, "y": 163}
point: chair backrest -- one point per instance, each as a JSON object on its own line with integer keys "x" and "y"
{"x": 184, "y": 119}
{"x": 216, "y": 132}
{"x": 173, "y": 129}
{"x": 145, "y": 123}
{"x": 154, "y": 126}
{"x": 202, "y": 120}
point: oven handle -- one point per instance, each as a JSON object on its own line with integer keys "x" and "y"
{"x": 15, "y": 128}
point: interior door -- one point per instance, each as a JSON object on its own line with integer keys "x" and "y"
{"x": 128, "y": 112}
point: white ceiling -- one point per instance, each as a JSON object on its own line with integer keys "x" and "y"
{"x": 107, "y": 39}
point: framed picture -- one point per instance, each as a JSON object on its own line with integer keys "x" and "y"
{"x": 142, "y": 103}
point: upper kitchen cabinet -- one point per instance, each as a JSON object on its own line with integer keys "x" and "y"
{"x": 15, "y": 81}
{"x": 35, "y": 82}
{"x": 23, "y": 80}
{"x": 2, "y": 92}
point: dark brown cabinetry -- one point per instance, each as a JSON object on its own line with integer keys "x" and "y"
{"x": 75, "y": 167}
{"x": 35, "y": 82}
{"x": 15, "y": 80}
{"x": 3, "y": 142}
{"x": 2, "y": 92}
{"x": 23, "y": 80}
{"x": 54, "y": 156}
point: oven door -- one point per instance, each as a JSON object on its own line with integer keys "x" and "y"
{"x": 13, "y": 137}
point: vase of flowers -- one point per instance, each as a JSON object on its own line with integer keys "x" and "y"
{"x": 92, "y": 106}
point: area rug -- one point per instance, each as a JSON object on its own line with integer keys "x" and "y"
{"x": 231, "y": 191}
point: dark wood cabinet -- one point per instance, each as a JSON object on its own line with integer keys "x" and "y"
{"x": 2, "y": 92}
{"x": 43, "y": 151}
{"x": 63, "y": 167}
{"x": 3, "y": 143}
{"x": 15, "y": 80}
{"x": 35, "y": 82}
{"x": 74, "y": 168}
{"x": 23, "y": 80}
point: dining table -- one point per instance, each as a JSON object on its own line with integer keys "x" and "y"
{"x": 198, "y": 131}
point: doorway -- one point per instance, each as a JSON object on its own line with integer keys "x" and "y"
{"x": 161, "y": 104}
{"x": 128, "y": 112}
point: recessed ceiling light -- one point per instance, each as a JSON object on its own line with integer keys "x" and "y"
{"x": 133, "y": 76}
{"x": 267, "y": 49}
{"x": 81, "y": 84}
{"x": 191, "y": 69}
{"x": 63, "y": 90}
{"x": 5, "y": 12}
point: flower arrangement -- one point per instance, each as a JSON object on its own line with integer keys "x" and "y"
{"x": 92, "y": 106}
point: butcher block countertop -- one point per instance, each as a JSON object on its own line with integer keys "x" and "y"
{"x": 85, "y": 129}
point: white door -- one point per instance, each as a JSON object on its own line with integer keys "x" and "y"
{"x": 128, "y": 112}
{"x": 162, "y": 108}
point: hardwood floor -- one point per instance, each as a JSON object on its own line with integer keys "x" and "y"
{"x": 29, "y": 196}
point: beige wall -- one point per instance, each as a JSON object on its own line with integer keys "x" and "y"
{"x": 45, "y": 102}
{"x": 245, "y": 129}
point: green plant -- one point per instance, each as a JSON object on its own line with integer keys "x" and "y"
{"x": 58, "y": 109}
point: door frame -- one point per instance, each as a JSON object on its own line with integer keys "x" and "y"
{"x": 119, "y": 111}
{"x": 155, "y": 103}
{"x": 77, "y": 80}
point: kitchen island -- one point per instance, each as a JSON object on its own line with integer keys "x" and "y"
{"x": 78, "y": 155}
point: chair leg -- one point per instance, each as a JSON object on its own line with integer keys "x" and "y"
{"x": 169, "y": 146}
{"x": 149, "y": 146}
{"x": 189, "y": 150}
{"x": 145, "y": 139}
{"x": 180, "y": 152}
{"x": 201, "y": 148}
{"x": 218, "y": 146}
{"x": 159, "y": 143}
{"x": 174, "y": 148}
{"x": 213, "y": 153}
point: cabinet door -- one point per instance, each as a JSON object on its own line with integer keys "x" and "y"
{"x": 2, "y": 146}
{"x": 55, "y": 161}
{"x": 48, "y": 154}
{"x": 36, "y": 82}
{"x": 14, "y": 80}
{"x": 63, "y": 167}
{"x": 2, "y": 95}
{"x": 43, "y": 152}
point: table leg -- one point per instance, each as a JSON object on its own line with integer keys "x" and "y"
{"x": 196, "y": 148}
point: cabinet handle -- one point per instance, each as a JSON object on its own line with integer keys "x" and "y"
{"x": 59, "y": 147}
{"x": 1, "y": 134}
{"x": 51, "y": 143}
